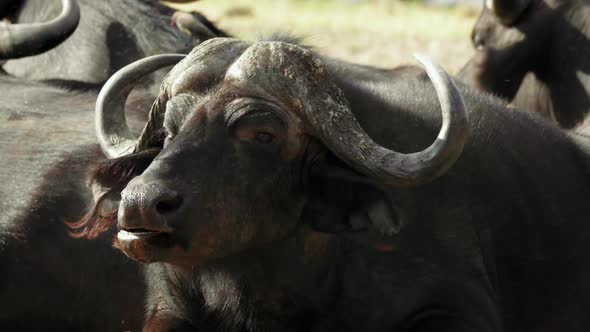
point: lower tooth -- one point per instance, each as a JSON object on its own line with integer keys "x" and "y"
{"x": 126, "y": 236}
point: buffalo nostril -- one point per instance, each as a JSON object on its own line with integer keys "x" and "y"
{"x": 169, "y": 204}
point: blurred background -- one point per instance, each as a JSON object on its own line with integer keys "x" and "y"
{"x": 377, "y": 32}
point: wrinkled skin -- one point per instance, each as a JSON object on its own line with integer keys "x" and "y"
{"x": 252, "y": 224}
{"x": 536, "y": 62}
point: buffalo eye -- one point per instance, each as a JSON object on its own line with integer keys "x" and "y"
{"x": 264, "y": 137}
{"x": 261, "y": 134}
{"x": 257, "y": 121}
{"x": 259, "y": 126}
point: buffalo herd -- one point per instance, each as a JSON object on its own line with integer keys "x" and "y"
{"x": 159, "y": 174}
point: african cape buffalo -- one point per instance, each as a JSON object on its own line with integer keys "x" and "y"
{"x": 276, "y": 190}
{"x": 50, "y": 280}
{"x": 110, "y": 35}
{"x": 534, "y": 53}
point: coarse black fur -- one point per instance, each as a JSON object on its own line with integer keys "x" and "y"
{"x": 538, "y": 62}
{"x": 260, "y": 243}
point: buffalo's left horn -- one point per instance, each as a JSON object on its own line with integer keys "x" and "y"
{"x": 345, "y": 137}
{"x": 20, "y": 40}
{"x": 113, "y": 134}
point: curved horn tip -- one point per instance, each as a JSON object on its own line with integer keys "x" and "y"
{"x": 445, "y": 86}
{"x": 454, "y": 110}
{"x": 427, "y": 62}
{"x": 113, "y": 134}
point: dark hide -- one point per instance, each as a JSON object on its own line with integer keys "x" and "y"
{"x": 280, "y": 235}
{"x": 50, "y": 280}
{"x": 547, "y": 45}
{"x": 111, "y": 34}
{"x": 8, "y": 9}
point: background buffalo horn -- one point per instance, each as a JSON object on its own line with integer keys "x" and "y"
{"x": 112, "y": 131}
{"x": 507, "y": 11}
{"x": 344, "y": 136}
{"x": 20, "y": 40}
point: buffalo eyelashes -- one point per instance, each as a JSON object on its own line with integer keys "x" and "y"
{"x": 256, "y": 122}
{"x": 258, "y": 133}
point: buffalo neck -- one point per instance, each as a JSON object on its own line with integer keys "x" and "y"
{"x": 257, "y": 289}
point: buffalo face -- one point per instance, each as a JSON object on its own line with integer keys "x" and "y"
{"x": 228, "y": 176}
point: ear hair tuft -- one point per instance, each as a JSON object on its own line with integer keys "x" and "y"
{"x": 108, "y": 179}
{"x": 342, "y": 200}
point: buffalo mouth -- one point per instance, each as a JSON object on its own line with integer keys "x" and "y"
{"x": 139, "y": 233}
{"x": 142, "y": 244}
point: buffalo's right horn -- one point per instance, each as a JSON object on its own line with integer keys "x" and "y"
{"x": 20, "y": 40}
{"x": 112, "y": 131}
{"x": 346, "y": 138}
{"x": 297, "y": 74}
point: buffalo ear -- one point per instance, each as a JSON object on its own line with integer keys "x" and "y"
{"x": 197, "y": 25}
{"x": 108, "y": 179}
{"x": 114, "y": 174}
{"x": 507, "y": 11}
{"x": 342, "y": 200}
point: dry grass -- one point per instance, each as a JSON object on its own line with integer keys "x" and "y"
{"x": 382, "y": 33}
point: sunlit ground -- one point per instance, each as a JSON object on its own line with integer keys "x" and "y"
{"x": 383, "y": 33}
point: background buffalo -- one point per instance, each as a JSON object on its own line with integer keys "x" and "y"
{"x": 535, "y": 54}
{"x": 49, "y": 279}
{"x": 110, "y": 34}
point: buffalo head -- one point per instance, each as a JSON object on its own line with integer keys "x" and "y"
{"x": 240, "y": 147}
